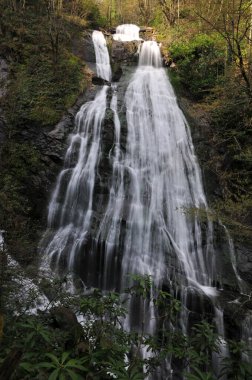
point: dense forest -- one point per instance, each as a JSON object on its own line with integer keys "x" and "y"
{"x": 206, "y": 48}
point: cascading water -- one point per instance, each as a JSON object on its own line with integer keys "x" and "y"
{"x": 102, "y": 56}
{"x": 152, "y": 220}
{"x": 127, "y": 32}
{"x": 71, "y": 207}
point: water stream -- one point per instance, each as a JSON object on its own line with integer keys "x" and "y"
{"x": 155, "y": 221}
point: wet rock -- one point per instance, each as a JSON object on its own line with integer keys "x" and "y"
{"x": 99, "y": 81}
{"x": 244, "y": 261}
{"x": 85, "y": 49}
{"x": 65, "y": 320}
{"x": 125, "y": 51}
{"x": 117, "y": 73}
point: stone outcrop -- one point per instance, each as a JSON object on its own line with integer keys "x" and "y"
{"x": 244, "y": 260}
{"x": 126, "y": 52}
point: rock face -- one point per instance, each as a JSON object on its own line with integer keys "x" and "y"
{"x": 52, "y": 145}
{"x": 86, "y": 50}
{"x": 244, "y": 261}
{"x": 65, "y": 320}
{"x": 126, "y": 52}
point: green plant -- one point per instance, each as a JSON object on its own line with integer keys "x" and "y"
{"x": 64, "y": 367}
{"x": 234, "y": 367}
{"x": 200, "y": 62}
{"x": 199, "y": 375}
{"x": 35, "y": 332}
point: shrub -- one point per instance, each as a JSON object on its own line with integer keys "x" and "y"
{"x": 200, "y": 62}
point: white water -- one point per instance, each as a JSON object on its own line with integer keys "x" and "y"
{"x": 26, "y": 296}
{"x": 102, "y": 56}
{"x": 71, "y": 207}
{"x": 127, "y": 32}
{"x": 165, "y": 180}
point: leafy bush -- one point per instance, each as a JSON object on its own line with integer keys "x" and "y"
{"x": 200, "y": 62}
{"x": 53, "y": 347}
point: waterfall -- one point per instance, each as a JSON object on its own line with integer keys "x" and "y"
{"x": 153, "y": 220}
{"x": 71, "y": 207}
{"x": 152, "y": 216}
{"x": 102, "y": 56}
{"x": 127, "y": 32}
{"x": 164, "y": 184}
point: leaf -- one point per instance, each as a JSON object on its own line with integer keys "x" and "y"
{"x": 53, "y": 358}
{"x": 45, "y": 336}
{"x": 64, "y": 357}
{"x": 29, "y": 337}
{"x": 54, "y": 374}
{"x": 73, "y": 364}
{"x": 26, "y": 366}
{"x": 73, "y": 375}
{"x": 45, "y": 365}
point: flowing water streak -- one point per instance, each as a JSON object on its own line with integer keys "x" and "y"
{"x": 127, "y": 32}
{"x": 165, "y": 180}
{"x": 103, "y": 67}
{"x": 71, "y": 206}
{"x": 154, "y": 184}
{"x": 232, "y": 256}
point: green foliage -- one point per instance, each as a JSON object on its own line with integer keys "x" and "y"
{"x": 104, "y": 350}
{"x": 200, "y": 62}
{"x": 63, "y": 368}
{"x": 46, "y": 77}
{"x": 142, "y": 285}
{"x": 235, "y": 368}
{"x": 230, "y": 113}
{"x": 42, "y": 92}
{"x": 199, "y": 375}
{"x": 19, "y": 164}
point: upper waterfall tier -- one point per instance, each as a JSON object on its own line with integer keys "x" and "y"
{"x": 127, "y": 32}
{"x": 102, "y": 56}
{"x": 150, "y": 54}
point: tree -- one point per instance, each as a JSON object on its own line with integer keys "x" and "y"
{"x": 233, "y": 23}
{"x": 171, "y": 10}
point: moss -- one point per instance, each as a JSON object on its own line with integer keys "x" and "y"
{"x": 18, "y": 165}
{"x": 41, "y": 92}
{"x": 43, "y": 82}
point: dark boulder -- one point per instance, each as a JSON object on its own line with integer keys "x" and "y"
{"x": 65, "y": 320}
{"x": 125, "y": 51}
